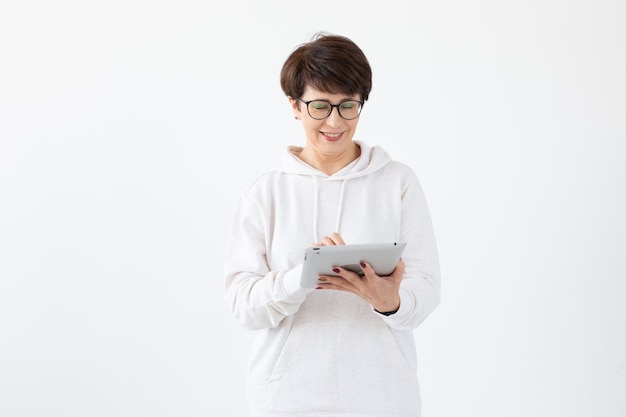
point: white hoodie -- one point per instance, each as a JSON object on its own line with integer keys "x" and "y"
{"x": 326, "y": 352}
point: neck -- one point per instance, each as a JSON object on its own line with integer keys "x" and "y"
{"x": 329, "y": 163}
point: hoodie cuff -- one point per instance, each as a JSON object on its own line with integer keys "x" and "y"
{"x": 291, "y": 282}
{"x": 405, "y": 306}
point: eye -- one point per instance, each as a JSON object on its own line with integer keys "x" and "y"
{"x": 319, "y": 105}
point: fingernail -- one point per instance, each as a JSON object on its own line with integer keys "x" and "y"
{"x": 363, "y": 265}
{"x": 322, "y": 279}
{"x": 336, "y": 270}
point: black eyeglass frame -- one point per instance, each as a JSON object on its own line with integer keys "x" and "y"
{"x": 306, "y": 103}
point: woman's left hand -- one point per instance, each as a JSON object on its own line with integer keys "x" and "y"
{"x": 381, "y": 292}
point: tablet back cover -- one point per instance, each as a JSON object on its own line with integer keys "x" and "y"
{"x": 319, "y": 260}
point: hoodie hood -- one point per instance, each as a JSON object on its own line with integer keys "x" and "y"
{"x": 371, "y": 160}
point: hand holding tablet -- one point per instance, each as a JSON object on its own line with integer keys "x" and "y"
{"x": 320, "y": 260}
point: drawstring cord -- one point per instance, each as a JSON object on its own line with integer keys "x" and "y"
{"x": 316, "y": 202}
{"x": 340, "y": 208}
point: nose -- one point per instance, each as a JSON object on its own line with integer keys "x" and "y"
{"x": 334, "y": 119}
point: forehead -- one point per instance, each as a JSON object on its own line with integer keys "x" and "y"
{"x": 311, "y": 93}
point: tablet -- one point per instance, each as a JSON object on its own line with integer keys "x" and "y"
{"x": 320, "y": 260}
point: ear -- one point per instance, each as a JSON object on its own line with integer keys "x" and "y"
{"x": 295, "y": 106}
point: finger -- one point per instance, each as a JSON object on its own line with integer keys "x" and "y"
{"x": 333, "y": 282}
{"x": 327, "y": 241}
{"x": 337, "y": 287}
{"x": 399, "y": 268}
{"x": 397, "y": 273}
{"x": 336, "y": 237}
{"x": 367, "y": 269}
{"x": 341, "y": 276}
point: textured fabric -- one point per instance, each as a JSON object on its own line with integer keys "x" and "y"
{"x": 326, "y": 352}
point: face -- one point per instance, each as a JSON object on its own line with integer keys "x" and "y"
{"x": 332, "y": 135}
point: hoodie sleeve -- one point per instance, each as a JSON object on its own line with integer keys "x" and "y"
{"x": 258, "y": 297}
{"x": 420, "y": 288}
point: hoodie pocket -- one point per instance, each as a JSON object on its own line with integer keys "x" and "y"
{"x": 346, "y": 366}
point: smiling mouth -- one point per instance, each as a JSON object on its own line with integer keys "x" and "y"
{"x": 331, "y": 135}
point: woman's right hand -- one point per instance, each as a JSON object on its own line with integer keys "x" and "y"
{"x": 332, "y": 240}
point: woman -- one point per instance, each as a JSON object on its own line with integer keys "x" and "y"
{"x": 345, "y": 348}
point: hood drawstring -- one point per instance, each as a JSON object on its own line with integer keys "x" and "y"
{"x": 340, "y": 208}
{"x": 316, "y": 199}
{"x": 316, "y": 203}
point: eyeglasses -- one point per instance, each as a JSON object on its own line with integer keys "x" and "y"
{"x": 321, "y": 109}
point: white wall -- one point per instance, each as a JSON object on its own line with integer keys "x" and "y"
{"x": 129, "y": 127}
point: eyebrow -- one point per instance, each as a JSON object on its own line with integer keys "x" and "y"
{"x": 327, "y": 100}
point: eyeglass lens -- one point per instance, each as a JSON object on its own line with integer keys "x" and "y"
{"x": 320, "y": 109}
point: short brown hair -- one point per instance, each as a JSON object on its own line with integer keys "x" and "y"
{"x": 329, "y": 63}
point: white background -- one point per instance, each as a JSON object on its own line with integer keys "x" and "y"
{"x": 128, "y": 129}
